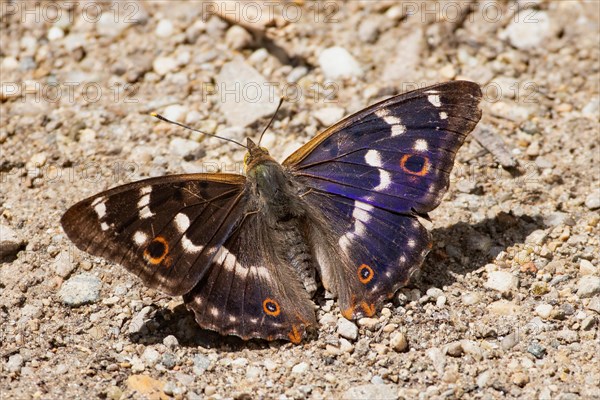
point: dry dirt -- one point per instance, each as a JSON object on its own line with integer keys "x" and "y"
{"x": 508, "y": 302}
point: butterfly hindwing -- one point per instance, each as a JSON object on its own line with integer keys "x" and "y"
{"x": 371, "y": 254}
{"x": 250, "y": 292}
{"x": 396, "y": 154}
{"x": 165, "y": 230}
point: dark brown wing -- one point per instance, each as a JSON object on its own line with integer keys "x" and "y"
{"x": 165, "y": 230}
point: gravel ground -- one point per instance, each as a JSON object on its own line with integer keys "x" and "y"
{"x": 508, "y": 301}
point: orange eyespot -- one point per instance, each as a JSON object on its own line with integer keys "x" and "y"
{"x": 365, "y": 274}
{"x": 415, "y": 164}
{"x": 157, "y": 250}
{"x": 271, "y": 307}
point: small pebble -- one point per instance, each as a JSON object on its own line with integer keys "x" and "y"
{"x": 55, "y": 33}
{"x": 329, "y": 115}
{"x": 544, "y": 310}
{"x": 520, "y": 379}
{"x": 237, "y": 38}
{"x": 80, "y": 289}
{"x": 201, "y": 364}
{"x": 398, "y": 342}
{"x": 438, "y": 359}
{"x": 164, "y": 28}
{"x": 502, "y": 281}
{"x": 455, "y": 349}
{"x": 510, "y": 340}
{"x": 588, "y": 286}
{"x": 171, "y": 341}
{"x": 300, "y": 368}
{"x": 337, "y": 63}
{"x": 537, "y": 350}
{"x": 10, "y": 242}
{"x": 150, "y": 356}
{"x": 368, "y": 323}
{"x": 347, "y": 329}
{"x": 15, "y": 362}
{"x": 587, "y": 268}
{"x": 469, "y": 299}
{"x": 592, "y": 201}
{"x": 164, "y": 65}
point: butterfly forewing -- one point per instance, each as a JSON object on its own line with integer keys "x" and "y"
{"x": 396, "y": 154}
{"x": 165, "y": 230}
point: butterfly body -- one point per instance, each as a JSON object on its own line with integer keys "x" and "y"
{"x": 248, "y": 252}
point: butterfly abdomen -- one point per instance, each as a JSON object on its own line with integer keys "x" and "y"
{"x": 296, "y": 252}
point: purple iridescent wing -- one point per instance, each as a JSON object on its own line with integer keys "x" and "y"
{"x": 396, "y": 154}
{"x": 371, "y": 174}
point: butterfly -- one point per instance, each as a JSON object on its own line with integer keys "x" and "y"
{"x": 248, "y": 252}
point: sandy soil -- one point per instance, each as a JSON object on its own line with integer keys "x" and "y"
{"x": 509, "y": 299}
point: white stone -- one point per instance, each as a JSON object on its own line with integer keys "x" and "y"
{"x": 164, "y": 28}
{"x": 237, "y": 38}
{"x": 502, "y": 281}
{"x": 587, "y": 268}
{"x": 588, "y": 286}
{"x": 329, "y": 115}
{"x": 164, "y": 65}
{"x": 347, "y": 329}
{"x": 529, "y": 29}
{"x": 398, "y": 342}
{"x": 55, "y": 33}
{"x": 592, "y": 201}
{"x": 245, "y": 95}
{"x": 300, "y": 368}
{"x": 337, "y": 63}
{"x": 544, "y": 310}
{"x": 174, "y": 112}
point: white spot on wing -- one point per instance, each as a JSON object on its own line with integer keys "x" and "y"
{"x": 345, "y": 242}
{"x": 443, "y": 115}
{"x": 361, "y": 211}
{"x": 382, "y": 112}
{"x": 189, "y": 246}
{"x": 411, "y": 243}
{"x": 98, "y": 200}
{"x": 421, "y": 145}
{"x": 385, "y": 180}
{"x": 434, "y": 99}
{"x": 182, "y": 222}
{"x": 144, "y": 201}
{"x": 373, "y": 158}
{"x": 392, "y": 120}
{"x": 100, "y": 209}
{"x": 398, "y": 129}
{"x": 104, "y": 226}
{"x": 232, "y": 318}
{"x": 140, "y": 238}
{"x": 214, "y": 311}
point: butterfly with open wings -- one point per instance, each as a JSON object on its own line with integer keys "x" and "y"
{"x": 247, "y": 253}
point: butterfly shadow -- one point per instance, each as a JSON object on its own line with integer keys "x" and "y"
{"x": 180, "y": 322}
{"x": 463, "y": 248}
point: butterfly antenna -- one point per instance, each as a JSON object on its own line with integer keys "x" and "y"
{"x": 158, "y": 116}
{"x": 272, "y": 118}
